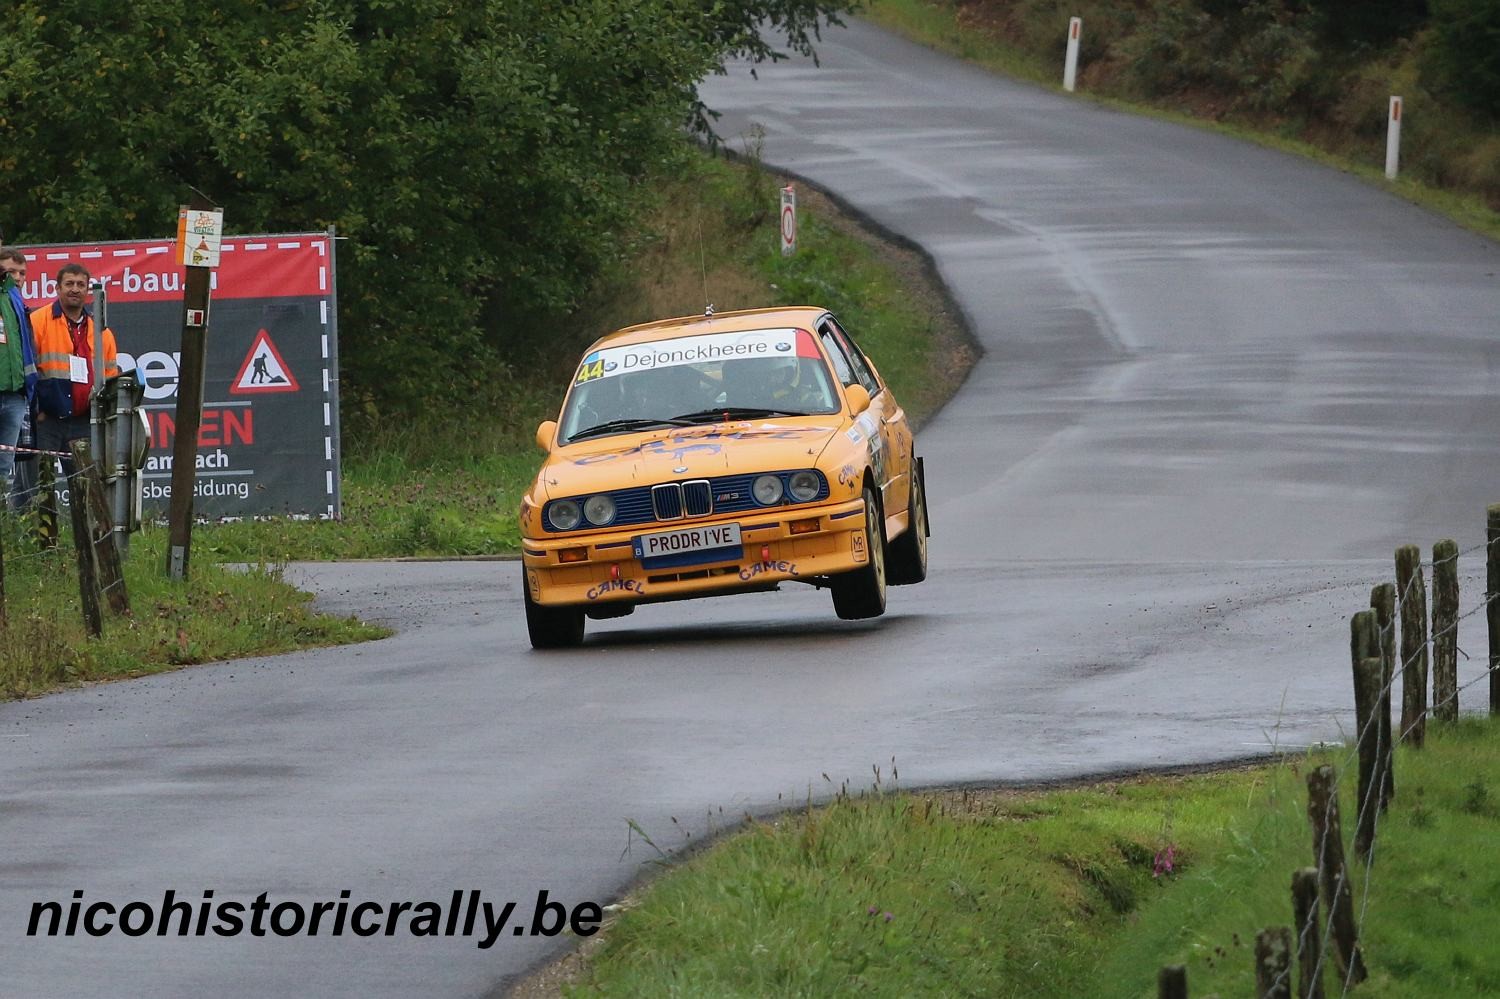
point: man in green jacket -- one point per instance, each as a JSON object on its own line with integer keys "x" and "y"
{"x": 17, "y": 361}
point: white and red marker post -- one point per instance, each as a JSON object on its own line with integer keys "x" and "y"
{"x": 788, "y": 220}
{"x": 1070, "y": 61}
{"x": 1393, "y": 140}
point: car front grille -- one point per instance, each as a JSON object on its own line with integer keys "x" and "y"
{"x": 666, "y": 501}
{"x": 676, "y": 500}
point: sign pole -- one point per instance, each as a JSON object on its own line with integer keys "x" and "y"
{"x": 199, "y": 228}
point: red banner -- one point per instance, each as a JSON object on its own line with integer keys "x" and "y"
{"x": 146, "y": 271}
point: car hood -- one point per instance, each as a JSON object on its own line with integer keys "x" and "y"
{"x": 684, "y": 453}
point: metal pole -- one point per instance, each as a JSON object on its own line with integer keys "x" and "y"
{"x": 121, "y": 476}
{"x": 189, "y": 413}
{"x": 96, "y": 403}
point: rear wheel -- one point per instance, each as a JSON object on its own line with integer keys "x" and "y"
{"x": 909, "y": 551}
{"x": 552, "y": 627}
{"x": 861, "y": 593}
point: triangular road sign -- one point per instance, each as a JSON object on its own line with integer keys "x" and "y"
{"x": 264, "y": 370}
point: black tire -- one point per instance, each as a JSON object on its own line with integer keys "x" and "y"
{"x": 860, "y": 593}
{"x": 552, "y": 627}
{"x": 908, "y": 560}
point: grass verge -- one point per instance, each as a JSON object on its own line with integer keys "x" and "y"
{"x": 218, "y": 613}
{"x": 1083, "y": 891}
{"x": 1448, "y": 158}
{"x": 440, "y": 485}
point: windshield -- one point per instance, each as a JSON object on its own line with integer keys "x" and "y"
{"x": 696, "y": 380}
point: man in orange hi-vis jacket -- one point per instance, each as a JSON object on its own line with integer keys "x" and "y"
{"x": 65, "y": 362}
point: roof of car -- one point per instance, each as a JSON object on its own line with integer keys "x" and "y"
{"x": 798, "y": 316}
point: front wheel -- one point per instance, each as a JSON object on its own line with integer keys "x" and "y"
{"x": 552, "y": 627}
{"x": 861, "y": 593}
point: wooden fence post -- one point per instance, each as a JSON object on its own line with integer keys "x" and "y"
{"x": 1445, "y": 630}
{"x": 88, "y": 577}
{"x": 1333, "y": 878}
{"x": 1411, "y": 590}
{"x": 1492, "y": 603}
{"x": 1309, "y": 936}
{"x": 46, "y": 501}
{"x": 88, "y": 492}
{"x": 1383, "y": 600}
{"x": 1273, "y": 963}
{"x": 1171, "y": 982}
{"x": 1364, "y": 650}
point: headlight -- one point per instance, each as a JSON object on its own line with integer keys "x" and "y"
{"x": 564, "y": 515}
{"x": 804, "y": 486}
{"x": 767, "y": 489}
{"x": 600, "y": 510}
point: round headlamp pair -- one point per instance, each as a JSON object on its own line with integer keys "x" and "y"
{"x": 800, "y": 488}
{"x": 568, "y": 514}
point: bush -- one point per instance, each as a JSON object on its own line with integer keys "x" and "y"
{"x": 1465, "y": 52}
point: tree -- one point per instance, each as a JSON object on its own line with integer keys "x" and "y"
{"x": 480, "y": 157}
{"x": 1466, "y": 52}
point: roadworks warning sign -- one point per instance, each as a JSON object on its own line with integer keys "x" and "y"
{"x": 264, "y": 370}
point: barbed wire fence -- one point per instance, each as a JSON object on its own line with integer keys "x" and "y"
{"x": 1327, "y": 887}
{"x": 101, "y": 579}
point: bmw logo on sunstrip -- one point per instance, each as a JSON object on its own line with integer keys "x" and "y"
{"x": 610, "y": 365}
{"x": 783, "y": 347}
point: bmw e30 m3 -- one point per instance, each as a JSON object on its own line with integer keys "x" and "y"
{"x": 721, "y": 454}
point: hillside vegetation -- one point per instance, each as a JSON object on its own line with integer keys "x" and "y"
{"x": 1318, "y": 73}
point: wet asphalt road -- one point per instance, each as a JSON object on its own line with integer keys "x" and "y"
{"x": 1220, "y": 385}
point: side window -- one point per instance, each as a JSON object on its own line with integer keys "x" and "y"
{"x": 857, "y": 360}
{"x": 836, "y": 354}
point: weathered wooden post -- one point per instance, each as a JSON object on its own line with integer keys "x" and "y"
{"x": 1333, "y": 879}
{"x": 46, "y": 502}
{"x": 1445, "y": 630}
{"x": 1273, "y": 963}
{"x": 1492, "y": 603}
{"x": 1309, "y": 936}
{"x": 1171, "y": 982}
{"x": 199, "y": 228}
{"x": 88, "y": 492}
{"x": 1411, "y": 590}
{"x": 1364, "y": 650}
{"x": 88, "y": 573}
{"x": 1383, "y": 600}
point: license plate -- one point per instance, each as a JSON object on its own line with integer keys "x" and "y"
{"x": 689, "y": 546}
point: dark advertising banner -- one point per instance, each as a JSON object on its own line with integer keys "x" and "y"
{"x": 269, "y": 441}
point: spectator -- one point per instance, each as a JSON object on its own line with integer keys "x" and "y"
{"x": 65, "y": 363}
{"x": 17, "y": 361}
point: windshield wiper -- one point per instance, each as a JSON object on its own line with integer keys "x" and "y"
{"x": 741, "y": 412}
{"x": 632, "y": 423}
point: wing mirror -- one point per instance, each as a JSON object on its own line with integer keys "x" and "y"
{"x": 545, "y": 432}
{"x": 859, "y": 398}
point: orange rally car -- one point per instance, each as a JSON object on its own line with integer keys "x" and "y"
{"x": 721, "y": 454}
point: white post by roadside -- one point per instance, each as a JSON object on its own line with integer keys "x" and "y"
{"x": 788, "y": 220}
{"x": 1393, "y": 140}
{"x": 1070, "y": 63}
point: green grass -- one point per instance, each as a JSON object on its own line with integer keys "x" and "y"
{"x": 217, "y": 614}
{"x": 1062, "y": 893}
{"x": 1450, "y": 162}
{"x": 450, "y": 484}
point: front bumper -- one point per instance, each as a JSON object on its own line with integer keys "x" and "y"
{"x": 609, "y": 572}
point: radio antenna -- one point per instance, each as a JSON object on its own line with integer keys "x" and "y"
{"x": 708, "y": 307}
